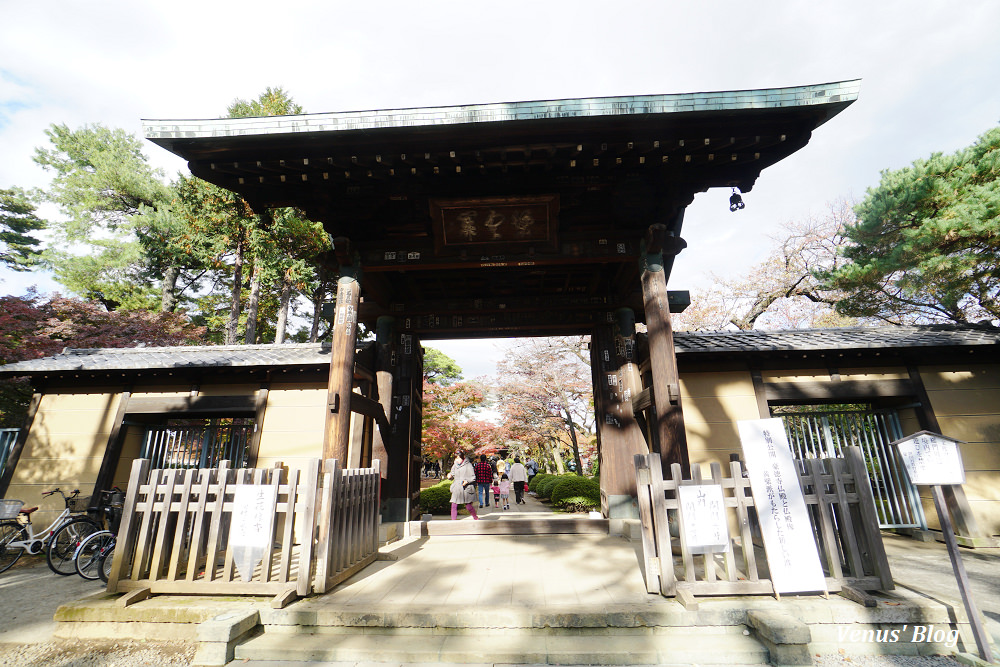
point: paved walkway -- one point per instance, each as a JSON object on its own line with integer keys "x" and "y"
{"x": 926, "y": 567}
{"x": 510, "y": 572}
{"x": 30, "y": 593}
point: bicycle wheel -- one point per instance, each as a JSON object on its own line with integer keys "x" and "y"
{"x": 87, "y": 556}
{"x": 104, "y": 566}
{"x": 65, "y": 541}
{"x": 10, "y": 531}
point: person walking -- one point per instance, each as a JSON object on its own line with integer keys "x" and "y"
{"x": 463, "y": 488}
{"x": 505, "y": 491}
{"x": 484, "y": 475}
{"x": 518, "y": 477}
{"x": 532, "y": 467}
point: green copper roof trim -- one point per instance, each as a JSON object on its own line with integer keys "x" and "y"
{"x": 769, "y": 98}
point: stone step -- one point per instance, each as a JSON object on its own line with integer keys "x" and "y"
{"x": 381, "y": 645}
{"x": 511, "y": 526}
{"x": 306, "y": 618}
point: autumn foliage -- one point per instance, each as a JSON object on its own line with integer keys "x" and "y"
{"x": 32, "y": 327}
{"x": 450, "y": 423}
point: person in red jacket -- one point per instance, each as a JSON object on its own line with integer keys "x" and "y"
{"x": 484, "y": 477}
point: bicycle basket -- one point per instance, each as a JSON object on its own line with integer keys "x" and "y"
{"x": 78, "y": 504}
{"x": 10, "y": 508}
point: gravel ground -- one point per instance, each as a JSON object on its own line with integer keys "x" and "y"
{"x": 886, "y": 660}
{"x": 77, "y": 653}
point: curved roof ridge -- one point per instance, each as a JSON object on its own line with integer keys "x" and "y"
{"x": 838, "y": 92}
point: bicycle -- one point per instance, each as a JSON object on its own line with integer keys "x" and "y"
{"x": 18, "y": 536}
{"x": 88, "y": 558}
{"x": 67, "y": 539}
{"x": 90, "y": 554}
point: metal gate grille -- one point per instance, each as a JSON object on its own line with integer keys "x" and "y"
{"x": 826, "y": 434}
{"x": 197, "y": 446}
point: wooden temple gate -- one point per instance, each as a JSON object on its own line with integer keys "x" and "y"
{"x": 506, "y": 220}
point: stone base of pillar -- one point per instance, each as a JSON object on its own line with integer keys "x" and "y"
{"x": 395, "y": 509}
{"x": 622, "y": 507}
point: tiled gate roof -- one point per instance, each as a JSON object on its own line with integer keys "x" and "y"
{"x": 687, "y": 344}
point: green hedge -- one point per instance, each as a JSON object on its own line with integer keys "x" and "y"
{"x": 544, "y": 489}
{"x": 436, "y": 499}
{"x": 577, "y": 494}
{"x": 536, "y": 480}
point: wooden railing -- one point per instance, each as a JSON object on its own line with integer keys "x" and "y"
{"x": 842, "y": 516}
{"x": 184, "y": 531}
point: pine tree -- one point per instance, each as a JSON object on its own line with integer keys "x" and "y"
{"x": 926, "y": 245}
{"x": 19, "y": 249}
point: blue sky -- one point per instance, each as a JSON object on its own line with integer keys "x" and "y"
{"x": 930, "y": 72}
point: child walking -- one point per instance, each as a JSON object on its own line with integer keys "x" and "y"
{"x": 505, "y": 491}
{"x": 496, "y": 491}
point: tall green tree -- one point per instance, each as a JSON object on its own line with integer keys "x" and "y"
{"x": 113, "y": 242}
{"x": 217, "y": 225}
{"x": 439, "y": 368}
{"x": 19, "y": 248}
{"x": 274, "y": 251}
{"x": 272, "y": 102}
{"x": 926, "y": 244}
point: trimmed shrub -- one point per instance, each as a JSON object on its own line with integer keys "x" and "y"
{"x": 576, "y": 494}
{"x": 545, "y": 487}
{"x": 436, "y": 499}
{"x": 536, "y": 480}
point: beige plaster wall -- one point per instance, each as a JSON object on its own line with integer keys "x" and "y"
{"x": 64, "y": 449}
{"x": 967, "y": 405}
{"x": 293, "y": 424}
{"x": 713, "y": 402}
{"x": 66, "y": 444}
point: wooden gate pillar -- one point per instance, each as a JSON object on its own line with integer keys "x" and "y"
{"x": 345, "y": 336}
{"x": 385, "y": 365}
{"x": 402, "y": 485}
{"x": 667, "y": 416}
{"x": 612, "y": 358}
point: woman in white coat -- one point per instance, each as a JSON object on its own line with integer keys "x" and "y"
{"x": 463, "y": 488}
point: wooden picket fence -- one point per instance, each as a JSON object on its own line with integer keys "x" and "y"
{"x": 176, "y": 525}
{"x": 348, "y": 541}
{"x": 841, "y": 511}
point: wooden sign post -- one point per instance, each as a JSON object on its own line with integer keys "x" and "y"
{"x": 934, "y": 459}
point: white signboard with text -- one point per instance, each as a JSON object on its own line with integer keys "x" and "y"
{"x": 792, "y": 555}
{"x": 252, "y": 524}
{"x": 703, "y": 516}
{"x": 931, "y": 459}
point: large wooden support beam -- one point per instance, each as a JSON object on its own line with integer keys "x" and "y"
{"x": 385, "y": 362}
{"x": 345, "y": 335}
{"x": 667, "y": 415}
{"x": 113, "y": 449}
{"x": 619, "y": 436}
{"x": 402, "y": 483}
